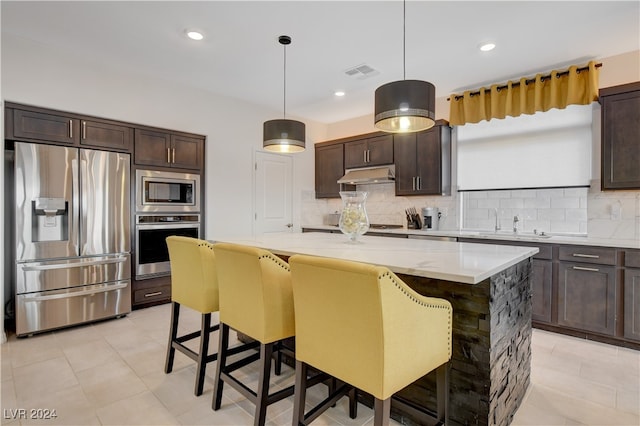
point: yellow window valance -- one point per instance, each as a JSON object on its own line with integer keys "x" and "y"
{"x": 575, "y": 86}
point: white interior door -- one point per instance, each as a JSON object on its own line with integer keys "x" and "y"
{"x": 273, "y": 175}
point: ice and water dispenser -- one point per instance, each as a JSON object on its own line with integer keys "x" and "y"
{"x": 49, "y": 219}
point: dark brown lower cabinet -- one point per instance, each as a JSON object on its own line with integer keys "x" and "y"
{"x": 632, "y": 304}
{"x": 587, "y": 297}
{"x": 541, "y": 286}
{"x": 151, "y": 292}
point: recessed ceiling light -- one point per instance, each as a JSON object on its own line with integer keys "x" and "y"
{"x": 485, "y": 47}
{"x": 339, "y": 93}
{"x": 194, "y": 35}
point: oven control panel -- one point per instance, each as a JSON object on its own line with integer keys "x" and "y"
{"x": 159, "y": 218}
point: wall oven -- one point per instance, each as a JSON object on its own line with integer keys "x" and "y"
{"x": 167, "y": 192}
{"x": 152, "y": 255}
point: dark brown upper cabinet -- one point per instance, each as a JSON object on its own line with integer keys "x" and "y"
{"x": 36, "y": 124}
{"x": 45, "y": 127}
{"x": 106, "y": 134}
{"x": 163, "y": 149}
{"x": 423, "y": 161}
{"x": 329, "y": 161}
{"x": 621, "y": 136}
{"x": 370, "y": 151}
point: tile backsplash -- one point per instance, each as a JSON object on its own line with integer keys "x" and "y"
{"x": 550, "y": 210}
{"x": 568, "y": 211}
{"x": 383, "y": 207}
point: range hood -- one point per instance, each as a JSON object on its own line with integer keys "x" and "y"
{"x": 368, "y": 175}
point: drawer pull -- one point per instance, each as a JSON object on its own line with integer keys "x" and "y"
{"x": 580, "y": 268}
{"x": 588, "y": 256}
{"x": 155, "y": 293}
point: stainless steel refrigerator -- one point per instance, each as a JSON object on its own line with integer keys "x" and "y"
{"x": 72, "y": 236}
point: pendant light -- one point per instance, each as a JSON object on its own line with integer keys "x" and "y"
{"x": 405, "y": 106}
{"x": 284, "y": 135}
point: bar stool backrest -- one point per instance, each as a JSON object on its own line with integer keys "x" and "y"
{"x": 362, "y": 324}
{"x": 194, "y": 281}
{"x": 255, "y": 292}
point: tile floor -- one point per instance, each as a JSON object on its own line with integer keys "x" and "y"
{"x": 111, "y": 373}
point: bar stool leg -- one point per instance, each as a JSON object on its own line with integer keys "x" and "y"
{"x": 203, "y": 353}
{"x": 382, "y": 412}
{"x": 353, "y": 403}
{"x": 173, "y": 334}
{"x": 266, "y": 352}
{"x": 222, "y": 362}
{"x": 300, "y": 393}
{"x": 442, "y": 383}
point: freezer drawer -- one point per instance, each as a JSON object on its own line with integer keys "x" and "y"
{"x": 47, "y": 310}
{"x": 58, "y": 274}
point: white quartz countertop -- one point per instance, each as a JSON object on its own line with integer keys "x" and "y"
{"x": 506, "y": 236}
{"x": 468, "y": 263}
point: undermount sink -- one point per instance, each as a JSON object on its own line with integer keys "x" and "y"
{"x": 514, "y": 235}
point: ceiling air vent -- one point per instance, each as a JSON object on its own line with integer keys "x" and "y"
{"x": 361, "y": 71}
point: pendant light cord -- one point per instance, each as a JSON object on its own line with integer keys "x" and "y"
{"x": 404, "y": 39}
{"x": 284, "y": 92}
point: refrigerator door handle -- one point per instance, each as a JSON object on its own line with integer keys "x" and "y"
{"x": 73, "y": 265}
{"x": 110, "y": 287}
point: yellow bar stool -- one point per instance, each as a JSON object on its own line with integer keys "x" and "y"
{"x": 386, "y": 335}
{"x": 255, "y": 300}
{"x": 194, "y": 284}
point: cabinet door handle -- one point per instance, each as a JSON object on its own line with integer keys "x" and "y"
{"x": 70, "y": 129}
{"x": 368, "y": 156}
{"x": 419, "y": 181}
{"x": 168, "y": 155}
{"x": 581, "y": 268}
{"x": 588, "y": 256}
{"x": 155, "y": 293}
{"x": 174, "y": 156}
{"x": 413, "y": 182}
{"x": 364, "y": 156}
{"x": 84, "y": 130}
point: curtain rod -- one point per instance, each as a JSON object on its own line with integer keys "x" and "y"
{"x": 531, "y": 80}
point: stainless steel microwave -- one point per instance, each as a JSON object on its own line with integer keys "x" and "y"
{"x": 167, "y": 192}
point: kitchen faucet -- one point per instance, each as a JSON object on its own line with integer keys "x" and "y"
{"x": 515, "y": 224}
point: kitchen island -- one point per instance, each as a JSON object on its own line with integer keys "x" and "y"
{"x": 488, "y": 287}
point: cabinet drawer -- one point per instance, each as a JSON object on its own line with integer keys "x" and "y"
{"x": 599, "y": 255}
{"x": 632, "y": 259}
{"x": 152, "y": 294}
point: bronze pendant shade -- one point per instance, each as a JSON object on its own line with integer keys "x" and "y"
{"x": 405, "y": 106}
{"x": 284, "y": 135}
